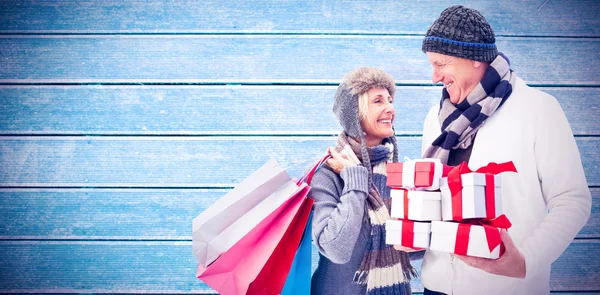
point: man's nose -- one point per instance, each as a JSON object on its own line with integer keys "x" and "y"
{"x": 436, "y": 77}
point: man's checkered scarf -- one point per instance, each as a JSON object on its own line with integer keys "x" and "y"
{"x": 384, "y": 269}
{"x": 461, "y": 122}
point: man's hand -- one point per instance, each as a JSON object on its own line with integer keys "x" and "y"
{"x": 510, "y": 264}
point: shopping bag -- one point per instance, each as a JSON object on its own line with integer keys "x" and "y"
{"x": 299, "y": 277}
{"x": 224, "y": 223}
{"x": 272, "y": 277}
{"x": 234, "y": 271}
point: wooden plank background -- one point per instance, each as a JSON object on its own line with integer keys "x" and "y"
{"x": 120, "y": 121}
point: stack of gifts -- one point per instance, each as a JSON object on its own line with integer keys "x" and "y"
{"x": 464, "y": 217}
{"x": 471, "y": 212}
{"x": 416, "y": 201}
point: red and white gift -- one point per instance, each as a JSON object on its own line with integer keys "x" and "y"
{"x": 408, "y": 233}
{"x": 416, "y": 205}
{"x": 421, "y": 173}
{"x": 479, "y": 240}
{"x": 481, "y": 197}
{"x": 469, "y": 195}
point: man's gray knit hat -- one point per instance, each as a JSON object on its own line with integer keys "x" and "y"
{"x": 462, "y": 32}
{"x": 345, "y": 106}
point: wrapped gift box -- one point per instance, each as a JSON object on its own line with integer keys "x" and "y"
{"x": 472, "y": 239}
{"x": 416, "y": 205}
{"x": 478, "y": 200}
{"x": 408, "y": 233}
{"x": 422, "y": 173}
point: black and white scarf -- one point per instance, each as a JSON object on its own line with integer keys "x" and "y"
{"x": 459, "y": 123}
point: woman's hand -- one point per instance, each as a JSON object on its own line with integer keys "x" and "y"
{"x": 337, "y": 162}
{"x": 407, "y": 249}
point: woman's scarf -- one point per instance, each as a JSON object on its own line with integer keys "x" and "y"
{"x": 384, "y": 269}
{"x": 460, "y": 122}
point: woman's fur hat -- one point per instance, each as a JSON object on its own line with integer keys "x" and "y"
{"x": 345, "y": 106}
{"x": 355, "y": 83}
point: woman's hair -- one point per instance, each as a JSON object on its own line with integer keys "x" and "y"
{"x": 363, "y": 106}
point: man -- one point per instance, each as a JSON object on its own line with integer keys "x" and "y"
{"x": 488, "y": 114}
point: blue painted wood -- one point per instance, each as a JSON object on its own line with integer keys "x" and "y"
{"x": 135, "y": 239}
{"x": 156, "y": 161}
{"x": 169, "y": 267}
{"x": 106, "y": 214}
{"x": 537, "y": 18}
{"x": 266, "y": 59}
{"x": 128, "y": 214}
{"x": 577, "y": 269}
{"x": 217, "y": 110}
{"x": 179, "y": 161}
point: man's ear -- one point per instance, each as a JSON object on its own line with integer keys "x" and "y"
{"x": 477, "y": 64}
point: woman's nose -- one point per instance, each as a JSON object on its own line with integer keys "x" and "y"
{"x": 390, "y": 109}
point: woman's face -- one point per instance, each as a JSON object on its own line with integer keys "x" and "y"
{"x": 380, "y": 116}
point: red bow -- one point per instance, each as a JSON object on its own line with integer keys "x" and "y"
{"x": 491, "y": 233}
{"x": 455, "y": 186}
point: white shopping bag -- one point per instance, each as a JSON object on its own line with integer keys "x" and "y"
{"x": 224, "y": 223}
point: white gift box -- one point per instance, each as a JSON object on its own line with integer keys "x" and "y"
{"x": 444, "y": 235}
{"x": 422, "y": 205}
{"x": 473, "y": 196}
{"x": 421, "y": 233}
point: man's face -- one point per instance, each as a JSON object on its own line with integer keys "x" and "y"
{"x": 459, "y": 75}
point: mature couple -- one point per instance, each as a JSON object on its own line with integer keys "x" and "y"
{"x": 486, "y": 114}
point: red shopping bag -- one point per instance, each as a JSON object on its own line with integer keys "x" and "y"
{"x": 274, "y": 274}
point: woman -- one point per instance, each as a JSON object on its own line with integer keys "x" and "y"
{"x": 351, "y": 196}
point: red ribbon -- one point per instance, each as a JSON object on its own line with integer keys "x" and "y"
{"x": 490, "y": 228}
{"x": 408, "y": 233}
{"x": 462, "y": 239}
{"x": 455, "y": 185}
{"x": 490, "y": 196}
{"x": 425, "y": 169}
{"x": 446, "y": 169}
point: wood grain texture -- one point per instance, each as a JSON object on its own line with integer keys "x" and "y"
{"x": 231, "y": 110}
{"x": 179, "y": 161}
{"x": 102, "y": 172}
{"x": 156, "y": 161}
{"x": 169, "y": 267}
{"x": 267, "y": 59}
{"x": 533, "y": 18}
{"x": 129, "y": 214}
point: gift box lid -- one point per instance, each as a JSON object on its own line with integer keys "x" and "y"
{"x": 396, "y": 225}
{"x": 475, "y": 178}
{"x": 394, "y": 167}
{"x": 451, "y": 228}
{"x": 421, "y": 165}
{"x": 470, "y": 179}
{"x": 424, "y": 166}
{"x": 423, "y": 195}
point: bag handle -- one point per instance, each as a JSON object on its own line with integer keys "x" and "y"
{"x": 308, "y": 176}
